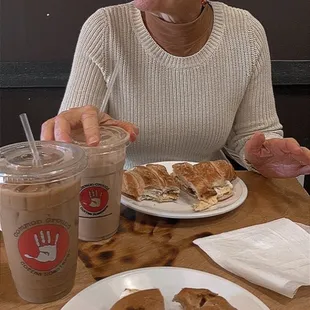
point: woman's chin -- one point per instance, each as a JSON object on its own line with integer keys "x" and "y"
{"x": 144, "y": 5}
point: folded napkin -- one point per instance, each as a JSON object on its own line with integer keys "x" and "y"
{"x": 275, "y": 255}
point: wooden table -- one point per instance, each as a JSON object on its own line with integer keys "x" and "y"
{"x": 145, "y": 241}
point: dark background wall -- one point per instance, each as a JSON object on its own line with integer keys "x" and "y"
{"x": 28, "y": 34}
{"x": 37, "y": 41}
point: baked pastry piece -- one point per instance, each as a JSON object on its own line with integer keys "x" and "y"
{"x": 217, "y": 175}
{"x": 150, "y": 182}
{"x": 209, "y": 182}
{"x": 195, "y": 185}
{"x": 151, "y": 299}
{"x": 202, "y": 299}
{"x": 225, "y": 169}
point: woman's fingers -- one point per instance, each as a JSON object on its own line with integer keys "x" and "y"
{"x": 306, "y": 153}
{"x": 304, "y": 156}
{"x": 304, "y": 170}
{"x": 132, "y": 129}
{"x": 292, "y": 146}
{"x": 254, "y": 146}
{"x": 289, "y": 147}
{"x": 136, "y": 130}
{"x": 90, "y": 123}
{"x": 86, "y": 117}
{"x": 47, "y": 130}
{"x": 60, "y": 127}
{"x": 258, "y": 147}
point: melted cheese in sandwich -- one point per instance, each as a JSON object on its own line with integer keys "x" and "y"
{"x": 204, "y": 205}
{"x": 224, "y": 191}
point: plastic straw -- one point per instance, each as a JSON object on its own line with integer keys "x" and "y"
{"x": 30, "y": 138}
{"x": 110, "y": 86}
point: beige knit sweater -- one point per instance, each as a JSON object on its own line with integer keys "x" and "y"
{"x": 187, "y": 108}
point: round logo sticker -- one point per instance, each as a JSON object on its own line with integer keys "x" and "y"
{"x": 94, "y": 198}
{"x": 44, "y": 247}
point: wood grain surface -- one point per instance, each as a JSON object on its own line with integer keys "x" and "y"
{"x": 145, "y": 241}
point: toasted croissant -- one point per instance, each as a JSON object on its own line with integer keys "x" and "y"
{"x": 151, "y": 182}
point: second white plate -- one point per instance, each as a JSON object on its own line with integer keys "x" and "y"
{"x": 181, "y": 209}
{"x": 170, "y": 280}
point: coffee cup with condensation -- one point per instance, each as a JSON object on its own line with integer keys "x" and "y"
{"x": 39, "y": 209}
{"x": 100, "y": 194}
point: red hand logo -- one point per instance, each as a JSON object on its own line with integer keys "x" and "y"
{"x": 44, "y": 247}
{"x": 94, "y": 198}
{"x": 47, "y": 251}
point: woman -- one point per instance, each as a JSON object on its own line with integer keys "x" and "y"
{"x": 195, "y": 78}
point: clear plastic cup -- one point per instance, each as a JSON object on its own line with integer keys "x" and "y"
{"x": 100, "y": 194}
{"x": 39, "y": 216}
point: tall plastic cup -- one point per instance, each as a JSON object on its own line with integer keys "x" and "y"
{"x": 100, "y": 194}
{"x": 39, "y": 217}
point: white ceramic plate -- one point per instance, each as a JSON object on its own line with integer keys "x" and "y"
{"x": 170, "y": 280}
{"x": 181, "y": 209}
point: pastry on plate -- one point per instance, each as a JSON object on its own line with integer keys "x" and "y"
{"x": 217, "y": 175}
{"x": 150, "y": 182}
{"x": 193, "y": 184}
{"x": 209, "y": 182}
{"x": 225, "y": 169}
{"x": 151, "y": 299}
{"x": 203, "y": 299}
{"x": 188, "y": 298}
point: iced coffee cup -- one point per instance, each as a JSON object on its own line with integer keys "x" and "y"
{"x": 100, "y": 194}
{"x": 39, "y": 216}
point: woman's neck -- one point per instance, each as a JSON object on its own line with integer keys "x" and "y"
{"x": 184, "y": 13}
{"x": 180, "y": 39}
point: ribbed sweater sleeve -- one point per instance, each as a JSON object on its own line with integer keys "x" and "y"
{"x": 257, "y": 111}
{"x": 86, "y": 84}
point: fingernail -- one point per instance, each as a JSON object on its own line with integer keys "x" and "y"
{"x": 93, "y": 141}
{"x": 133, "y": 137}
{"x": 137, "y": 130}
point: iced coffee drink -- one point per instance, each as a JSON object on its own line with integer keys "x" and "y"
{"x": 39, "y": 217}
{"x": 100, "y": 193}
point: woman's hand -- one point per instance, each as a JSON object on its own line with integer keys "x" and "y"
{"x": 277, "y": 158}
{"x": 59, "y": 128}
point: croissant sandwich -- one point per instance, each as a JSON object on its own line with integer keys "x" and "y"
{"x": 193, "y": 298}
{"x": 209, "y": 182}
{"x": 150, "y": 182}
